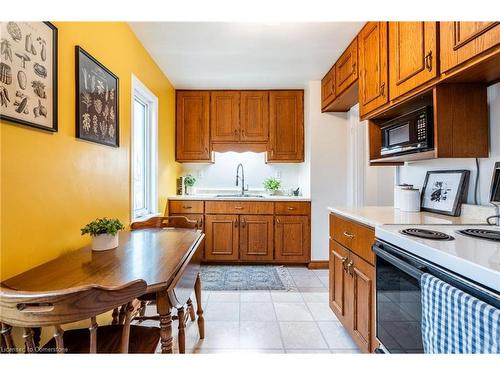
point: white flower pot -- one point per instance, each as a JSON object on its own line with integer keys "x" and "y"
{"x": 104, "y": 242}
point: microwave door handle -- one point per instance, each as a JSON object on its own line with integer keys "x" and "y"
{"x": 405, "y": 267}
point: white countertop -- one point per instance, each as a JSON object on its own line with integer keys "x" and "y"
{"x": 476, "y": 259}
{"x": 214, "y": 197}
{"x": 374, "y": 216}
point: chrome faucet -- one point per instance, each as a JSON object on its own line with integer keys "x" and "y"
{"x": 242, "y": 178}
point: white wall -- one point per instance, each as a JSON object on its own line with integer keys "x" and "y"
{"x": 222, "y": 174}
{"x": 328, "y": 167}
{"x": 414, "y": 173}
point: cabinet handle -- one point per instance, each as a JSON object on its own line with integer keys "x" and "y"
{"x": 344, "y": 259}
{"x": 291, "y": 208}
{"x": 236, "y": 224}
{"x": 354, "y": 68}
{"x": 238, "y": 208}
{"x": 349, "y": 235}
{"x": 243, "y": 223}
{"x": 187, "y": 207}
{"x": 242, "y": 131}
{"x": 428, "y": 61}
{"x": 278, "y": 221}
{"x": 382, "y": 89}
{"x": 348, "y": 268}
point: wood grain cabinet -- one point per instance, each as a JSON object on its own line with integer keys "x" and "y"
{"x": 225, "y": 116}
{"x": 412, "y": 55}
{"x": 221, "y": 237}
{"x": 192, "y": 126}
{"x": 461, "y": 41}
{"x": 292, "y": 239}
{"x": 373, "y": 67}
{"x": 254, "y": 116}
{"x": 346, "y": 68}
{"x": 256, "y": 237}
{"x": 328, "y": 88}
{"x": 286, "y": 126}
{"x": 352, "y": 272}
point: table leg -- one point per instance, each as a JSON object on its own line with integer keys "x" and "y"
{"x": 164, "y": 311}
{"x": 199, "y": 310}
{"x": 182, "y": 325}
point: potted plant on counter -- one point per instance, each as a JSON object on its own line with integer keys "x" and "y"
{"x": 189, "y": 182}
{"x": 272, "y": 185}
{"x": 104, "y": 233}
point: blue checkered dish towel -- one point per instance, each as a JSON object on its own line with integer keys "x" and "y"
{"x": 456, "y": 322}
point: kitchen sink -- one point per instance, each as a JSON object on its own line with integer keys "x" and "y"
{"x": 239, "y": 196}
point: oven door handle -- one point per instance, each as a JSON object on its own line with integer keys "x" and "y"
{"x": 403, "y": 266}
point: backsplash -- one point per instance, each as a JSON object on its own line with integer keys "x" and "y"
{"x": 222, "y": 174}
{"x": 414, "y": 173}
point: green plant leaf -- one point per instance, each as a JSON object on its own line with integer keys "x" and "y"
{"x": 102, "y": 226}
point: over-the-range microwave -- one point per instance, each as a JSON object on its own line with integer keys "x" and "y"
{"x": 409, "y": 133}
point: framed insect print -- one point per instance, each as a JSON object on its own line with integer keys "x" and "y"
{"x": 28, "y": 74}
{"x": 445, "y": 191}
{"x": 96, "y": 101}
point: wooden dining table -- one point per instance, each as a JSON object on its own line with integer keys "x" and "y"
{"x": 167, "y": 259}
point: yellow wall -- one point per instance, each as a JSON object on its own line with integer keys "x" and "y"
{"x": 53, "y": 184}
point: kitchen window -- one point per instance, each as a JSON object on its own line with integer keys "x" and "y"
{"x": 144, "y": 152}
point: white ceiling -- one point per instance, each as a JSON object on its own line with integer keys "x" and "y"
{"x": 244, "y": 55}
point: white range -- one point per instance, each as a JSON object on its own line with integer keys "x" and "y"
{"x": 474, "y": 258}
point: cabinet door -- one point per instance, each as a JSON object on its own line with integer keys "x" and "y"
{"x": 192, "y": 126}
{"x": 338, "y": 258}
{"x": 254, "y": 116}
{"x": 225, "y": 116}
{"x": 361, "y": 302}
{"x": 292, "y": 239}
{"x": 256, "y": 237}
{"x": 412, "y": 55}
{"x": 346, "y": 68}
{"x": 461, "y": 41}
{"x": 286, "y": 126}
{"x": 328, "y": 88}
{"x": 373, "y": 70}
{"x": 221, "y": 241}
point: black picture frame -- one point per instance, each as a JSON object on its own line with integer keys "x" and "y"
{"x": 460, "y": 192}
{"x": 84, "y": 60}
{"x": 54, "y": 88}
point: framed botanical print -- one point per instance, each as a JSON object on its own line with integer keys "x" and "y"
{"x": 28, "y": 74}
{"x": 445, "y": 191}
{"x": 96, "y": 101}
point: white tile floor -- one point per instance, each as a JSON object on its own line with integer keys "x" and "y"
{"x": 271, "y": 321}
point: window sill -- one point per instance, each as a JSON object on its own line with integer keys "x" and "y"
{"x": 144, "y": 218}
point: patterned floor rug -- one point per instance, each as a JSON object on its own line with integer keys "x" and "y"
{"x": 243, "y": 277}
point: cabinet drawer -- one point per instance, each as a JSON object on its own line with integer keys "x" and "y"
{"x": 292, "y": 208}
{"x": 239, "y": 207}
{"x": 185, "y": 207}
{"x": 356, "y": 237}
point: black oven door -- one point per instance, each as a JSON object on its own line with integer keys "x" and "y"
{"x": 398, "y": 303}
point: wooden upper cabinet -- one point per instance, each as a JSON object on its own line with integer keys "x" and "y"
{"x": 461, "y": 41}
{"x": 346, "y": 68}
{"x": 256, "y": 237}
{"x": 292, "y": 239}
{"x": 193, "y": 126}
{"x": 328, "y": 88}
{"x": 412, "y": 55}
{"x": 254, "y": 116}
{"x": 373, "y": 67}
{"x": 286, "y": 126}
{"x": 225, "y": 116}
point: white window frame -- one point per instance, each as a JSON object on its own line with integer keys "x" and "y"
{"x": 141, "y": 92}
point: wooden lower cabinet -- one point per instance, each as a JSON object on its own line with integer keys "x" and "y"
{"x": 256, "y": 237}
{"x": 292, "y": 239}
{"x": 221, "y": 237}
{"x": 352, "y": 291}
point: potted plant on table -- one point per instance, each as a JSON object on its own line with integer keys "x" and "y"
{"x": 189, "y": 182}
{"x": 272, "y": 185}
{"x": 104, "y": 233}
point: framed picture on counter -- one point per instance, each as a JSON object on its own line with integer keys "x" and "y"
{"x": 28, "y": 74}
{"x": 96, "y": 101}
{"x": 445, "y": 191}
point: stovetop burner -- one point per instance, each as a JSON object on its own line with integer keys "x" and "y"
{"x": 427, "y": 234}
{"x": 486, "y": 234}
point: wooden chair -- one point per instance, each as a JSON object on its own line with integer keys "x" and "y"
{"x": 30, "y": 310}
{"x": 166, "y": 222}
